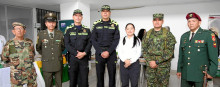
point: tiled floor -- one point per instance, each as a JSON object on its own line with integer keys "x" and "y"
{"x": 174, "y": 81}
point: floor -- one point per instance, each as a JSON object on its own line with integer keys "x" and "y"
{"x": 174, "y": 81}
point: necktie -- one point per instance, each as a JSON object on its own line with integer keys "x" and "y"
{"x": 192, "y": 36}
{"x": 51, "y": 35}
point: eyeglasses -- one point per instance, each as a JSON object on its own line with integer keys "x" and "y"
{"x": 18, "y": 28}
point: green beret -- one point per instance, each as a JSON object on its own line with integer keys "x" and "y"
{"x": 50, "y": 17}
{"x": 105, "y": 7}
{"x": 77, "y": 11}
{"x": 18, "y": 24}
{"x": 158, "y": 15}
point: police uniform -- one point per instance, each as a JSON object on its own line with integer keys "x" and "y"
{"x": 77, "y": 38}
{"x": 158, "y": 46}
{"x": 194, "y": 54}
{"x": 105, "y": 37}
{"x": 51, "y": 47}
{"x": 20, "y": 56}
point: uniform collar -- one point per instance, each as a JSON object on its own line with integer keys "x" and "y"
{"x": 195, "y": 31}
{"x": 50, "y": 32}
{"x": 109, "y": 21}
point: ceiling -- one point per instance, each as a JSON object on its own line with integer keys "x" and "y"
{"x": 96, "y": 4}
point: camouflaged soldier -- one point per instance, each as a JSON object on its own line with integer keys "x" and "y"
{"x": 19, "y": 53}
{"x": 158, "y": 49}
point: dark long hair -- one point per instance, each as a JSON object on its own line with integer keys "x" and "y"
{"x": 135, "y": 37}
{"x": 141, "y": 34}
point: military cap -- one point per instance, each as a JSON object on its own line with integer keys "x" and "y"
{"x": 18, "y": 24}
{"x": 193, "y": 15}
{"x": 50, "y": 17}
{"x": 158, "y": 15}
{"x": 77, "y": 11}
{"x": 105, "y": 7}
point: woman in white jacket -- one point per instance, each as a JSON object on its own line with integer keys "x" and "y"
{"x": 129, "y": 50}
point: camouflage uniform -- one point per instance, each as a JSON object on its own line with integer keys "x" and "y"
{"x": 20, "y": 56}
{"x": 158, "y": 47}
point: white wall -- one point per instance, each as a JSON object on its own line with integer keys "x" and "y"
{"x": 67, "y": 9}
{"x": 174, "y": 17}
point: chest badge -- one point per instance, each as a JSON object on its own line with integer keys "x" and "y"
{"x": 45, "y": 41}
{"x": 84, "y": 30}
{"x": 112, "y": 25}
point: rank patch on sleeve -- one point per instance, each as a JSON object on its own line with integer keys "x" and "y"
{"x": 213, "y": 37}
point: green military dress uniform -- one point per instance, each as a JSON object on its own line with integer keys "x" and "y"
{"x": 194, "y": 54}
{"x": 20, "y": 56}
{"x": 158, "y": 46}
{"x": 51, "y": 51}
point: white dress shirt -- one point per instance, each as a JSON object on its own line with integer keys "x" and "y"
{"x": 127, "y": 52}
{"x": 192, "y": 32}
{"x": 50, "y": 32}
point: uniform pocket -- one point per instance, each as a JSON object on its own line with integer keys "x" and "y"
{"x": 12, "y": 49}
{"x": 199, "y": 47}
{"x": 14, "y": 59}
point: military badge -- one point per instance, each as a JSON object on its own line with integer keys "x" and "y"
{"x": 112, "y": 25}
{"x": 214, "y": 44}
{"x": 213, "y": 37}
{"x": 199, "y": 41}
{"x": 45, "y": 41}
{"x": 202, "y": 41}
{"x": 84, "y": 30}
{"x": 190, "y": 15}
{"x": 196, "y": 41}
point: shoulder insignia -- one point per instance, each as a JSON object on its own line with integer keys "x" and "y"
{"x": 114, "y": 22}
{"x": 213, "y": 36}
{"x": 68, "y": 27}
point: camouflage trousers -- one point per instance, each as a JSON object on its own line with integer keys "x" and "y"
{"x": 158, "y": 77}
{"x": 28, "y": 85}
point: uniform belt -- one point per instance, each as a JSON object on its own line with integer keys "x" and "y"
{"x": 104, "y": 48}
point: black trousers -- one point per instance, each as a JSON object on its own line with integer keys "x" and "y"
{"x": 131, "y": 73}
{"x": 78, "y": 72}
{"x": 100, "y": 69}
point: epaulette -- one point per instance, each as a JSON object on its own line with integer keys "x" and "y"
{"x": 59, "y": 31}
{"x": 28, "y": 40}
{"x": 68, "y": 27}
{"x": 85, "y": 27}
{"x": 114, "y": 22}
{"x": 96, "y": 22}
{"x": 205, "y": 30}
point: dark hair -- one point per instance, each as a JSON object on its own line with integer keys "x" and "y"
{"x": 141, "y": 34}
{"x": 135, "y": 37}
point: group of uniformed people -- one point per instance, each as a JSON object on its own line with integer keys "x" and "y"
{"x": 198, "y": 48}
